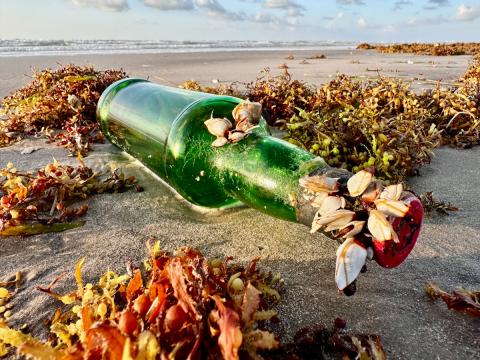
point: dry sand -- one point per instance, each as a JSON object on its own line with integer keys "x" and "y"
{"x": 391, "y": 303}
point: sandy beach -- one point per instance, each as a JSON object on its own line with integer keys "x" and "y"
{"x": 391, "y": 303}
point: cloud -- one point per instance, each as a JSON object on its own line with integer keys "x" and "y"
{"x": 294, "y": 12}
{"x": 435, "y": 4}
{"x": 170, "y": 4}
{"x": 398, "y": 5}
{"x": 362, "y": 23}
{"x": 214, "y": 9}
{"x": 467, "y": 13}
{"x": 266, "y": 18}
{"x": 282, "y": 4}
{"x": 350, "y": 2}
{"x": 439, "y": 2}
{"x": 428, "y": 21}
{"x": 293, "y": 9}
{"x": 109, "y": 5}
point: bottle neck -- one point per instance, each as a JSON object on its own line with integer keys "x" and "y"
{"x": 263, "y": 172}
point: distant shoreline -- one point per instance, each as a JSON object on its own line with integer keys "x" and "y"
{"x": 19, "y": 47}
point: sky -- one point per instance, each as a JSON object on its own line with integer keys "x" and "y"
{"x": 288, "y": 20}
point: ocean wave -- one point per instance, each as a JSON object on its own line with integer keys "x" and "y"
{"x": 26, "y": 47}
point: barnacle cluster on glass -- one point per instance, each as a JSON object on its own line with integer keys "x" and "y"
{"x": 382, "y": 122}
{"x": 44, "y": 201}
{"x": 360, "y": 212}
{"x": 246, "y": 116}
{"x": 59, "y": 104}
{"x": 176, "y": 306}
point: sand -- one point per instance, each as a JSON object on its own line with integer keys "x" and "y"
{"x": 391, "y": 303}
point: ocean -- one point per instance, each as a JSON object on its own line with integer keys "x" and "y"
{"x": 22, "y": 47}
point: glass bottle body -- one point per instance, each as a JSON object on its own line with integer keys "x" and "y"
{"x": 164, "y": 128}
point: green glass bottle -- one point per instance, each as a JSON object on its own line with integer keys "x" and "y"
{"x": 164, "y": 128}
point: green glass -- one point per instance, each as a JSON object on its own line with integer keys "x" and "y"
{"x": 164, "y": 128}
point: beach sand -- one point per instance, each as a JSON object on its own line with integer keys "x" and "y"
{"x": 391, "y": 303}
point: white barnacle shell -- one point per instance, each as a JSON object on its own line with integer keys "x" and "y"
{"x": 241, "y": 113}
{"x": 319, "y": 183}
{"x": 392, "y": 192}
{"x": 372, "y": 192}
{"x": 331, "y": 203}
{"x": 380, "y": 227}
{"x": 351, "y": 257}
{"x": 333, "y": 221}
{"x": 357, "y": 227}
{"x": 389, "y": 207}
{"x": 359, "y": 182}
{"x": 236, "y": 136}
{"x": 219, "y": 141}
{"x": 319, "y": 198}
{"x": 217, "y": 126}
{"x": 247, "y": 111}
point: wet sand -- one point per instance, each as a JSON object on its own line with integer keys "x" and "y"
{"x": 391, "y": 303}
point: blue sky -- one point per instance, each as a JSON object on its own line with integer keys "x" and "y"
{"x": 349, "y": 20}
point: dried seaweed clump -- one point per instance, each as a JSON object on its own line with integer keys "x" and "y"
{"x": 357, "y": 124}
{"x": 181, "y": 306}
{"x": 281, "y": 96}
{"x": 472, "y": 75}
{"x": 431, "y": 204}
{"x": 60, "y": 104}
{"x": 317, "y": 342}
{"x": 33, "y": 203}
{"x": 222, "y": 89}
{"x": 461, "y": 300}
{"x": 446, "y": 49}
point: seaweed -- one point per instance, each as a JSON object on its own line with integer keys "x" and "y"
{"x": 176, "y": 306}
{"x": 180, "y": 305}
{"x": 461, "y": 300}
{"x": 58, "y": 104}
{"x": 44, "y": 201}
{"x": 436, "y": 49}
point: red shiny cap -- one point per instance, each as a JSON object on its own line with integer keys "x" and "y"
{"x": 390, "y": 254}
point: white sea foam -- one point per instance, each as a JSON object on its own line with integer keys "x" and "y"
{"x": 22, "y": 47}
